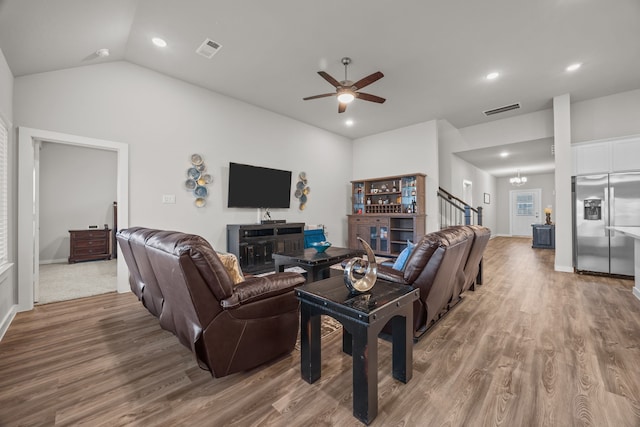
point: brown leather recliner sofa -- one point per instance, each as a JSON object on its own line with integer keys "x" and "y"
{"x": 442, "y": 265}
{"x": 230, "y": 328}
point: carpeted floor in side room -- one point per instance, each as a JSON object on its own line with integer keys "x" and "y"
{"x": 62, "y": 282}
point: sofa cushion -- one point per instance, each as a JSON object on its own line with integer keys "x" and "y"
{"x": 420, "y": 255}
{"x": 230, "y": 263}
{"x": 403, "y": 257}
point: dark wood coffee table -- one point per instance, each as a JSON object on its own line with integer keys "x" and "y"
{"x": 363, "y": 317}
{"x": 315, "y": 264}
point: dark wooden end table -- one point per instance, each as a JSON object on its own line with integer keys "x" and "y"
{"x": 315, "y": 264}
{"x": 362, "y": 317}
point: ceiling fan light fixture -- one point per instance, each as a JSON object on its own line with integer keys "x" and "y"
{"x": 346, "y": 96}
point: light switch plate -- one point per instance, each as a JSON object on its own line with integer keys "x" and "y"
{"x": 169, "y": 198}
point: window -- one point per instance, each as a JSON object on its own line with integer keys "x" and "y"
{"x": 4, "y": 177}
{"x": 524, "y": 204}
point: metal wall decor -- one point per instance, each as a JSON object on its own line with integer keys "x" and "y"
{"x": 356, "y": 265}
{"x": 197, "y": 180}
{"x": 302, "y": 190}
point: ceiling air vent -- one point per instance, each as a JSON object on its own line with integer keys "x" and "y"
{"x": 502, "y": 109}
{"x": 208, "y": 48}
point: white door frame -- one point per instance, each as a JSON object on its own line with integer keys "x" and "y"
{"x": 467, "y": 191}
{"x": 28, "y": 214}
{"x": 538, "y": 192}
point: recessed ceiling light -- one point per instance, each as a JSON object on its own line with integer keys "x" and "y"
{"x": 504, "y": 154}
{"x": 159, "y": 42}
{"x": 102, "y": 53}
{"x": 574, "y": 67}
{"x": 349, "y": 122}
{"x": 492, "y": 76}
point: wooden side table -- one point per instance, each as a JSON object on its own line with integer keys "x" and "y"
{"x": 362, "y": 316}
{"x": 89, "y": 245}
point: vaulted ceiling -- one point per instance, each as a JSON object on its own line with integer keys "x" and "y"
{"x": 435, "y": 55}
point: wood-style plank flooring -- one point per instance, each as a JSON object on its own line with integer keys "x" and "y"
{"x": 531, "y": 347}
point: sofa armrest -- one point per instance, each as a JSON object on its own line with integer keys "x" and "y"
{"x": 389, "y": 274}
{"x": 258, "y": 288}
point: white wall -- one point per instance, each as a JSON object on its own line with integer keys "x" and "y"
{"x": 8, "y": 282}
{"x": 77, "y": 189}
{"x": 564, "y": 167}
{"x": 165, "y": 121}
{"x": 411, "y": 149}
{"x": 526, "y": 127}
{"x": 482, "y": 182}
{"x": 546, "y": 182}
{"x": 606, "y": 117}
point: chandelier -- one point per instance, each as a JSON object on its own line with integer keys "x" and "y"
{"x": 518, "y": 180}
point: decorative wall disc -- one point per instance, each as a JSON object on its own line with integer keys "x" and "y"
{"x": 193, "y": 173}
{"x": 201, "y": 191}
{"x": 198, "y": 180}
{"x": 302, "y": 190}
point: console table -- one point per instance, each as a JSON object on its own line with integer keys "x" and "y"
{"x": 544, "y": 236}
{"x": 362, "y": 316}
{"x": 255, "y": 244}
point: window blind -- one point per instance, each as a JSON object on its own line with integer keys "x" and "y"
{"x": 4, "y": 176}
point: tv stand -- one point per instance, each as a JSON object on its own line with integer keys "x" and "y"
{"x": 254, "y": 244}
{"x": 273, "y": 221}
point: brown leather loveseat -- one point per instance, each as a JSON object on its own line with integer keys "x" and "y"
{"x": 443, "y": 265}
{"x": 230, "y": 328}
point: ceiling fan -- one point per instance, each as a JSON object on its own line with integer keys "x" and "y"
{"x": 346, "y": 90}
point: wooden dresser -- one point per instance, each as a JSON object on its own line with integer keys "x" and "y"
{"x": 89, "y": 245}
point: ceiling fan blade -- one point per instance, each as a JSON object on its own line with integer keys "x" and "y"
{"x": 369, "y": 97}
{"x": 368, "y": 80}
{"x": 324, "y": 95}
{"x": 330, "y": 79}
{"x": 342, "y": 107}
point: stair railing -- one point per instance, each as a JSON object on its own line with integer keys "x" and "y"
{"x": 454, "y": 211}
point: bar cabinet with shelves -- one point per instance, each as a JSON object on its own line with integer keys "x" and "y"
{"x": 388, "y": 211}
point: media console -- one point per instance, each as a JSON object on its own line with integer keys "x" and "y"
{"x": 254, "y": 244}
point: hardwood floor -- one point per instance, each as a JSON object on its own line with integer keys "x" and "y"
{"x": 531, "y": 347}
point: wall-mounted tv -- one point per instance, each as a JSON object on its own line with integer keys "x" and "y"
{"x": 258, "y": 187}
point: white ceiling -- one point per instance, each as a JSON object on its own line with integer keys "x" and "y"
{"x": 434, "y": 54}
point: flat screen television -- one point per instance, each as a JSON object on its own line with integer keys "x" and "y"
{"x": 258, "y": 187}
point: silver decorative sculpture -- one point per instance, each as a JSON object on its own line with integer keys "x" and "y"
{"x": 357, "y": 265}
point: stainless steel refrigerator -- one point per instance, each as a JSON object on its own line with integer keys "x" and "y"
{"x": 600, "y": 201}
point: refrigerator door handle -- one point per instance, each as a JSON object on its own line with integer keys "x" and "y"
{"x": 612, "y": 211}
{"x": 605, "y": 213}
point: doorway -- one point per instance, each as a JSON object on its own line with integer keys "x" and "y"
{"x": 77, "y": 188}
{"x": 467, "y": 192}
{"x": 28, "y": 210}
{"x": 524, "y": 210}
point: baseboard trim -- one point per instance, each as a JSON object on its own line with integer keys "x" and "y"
{"x": 54, "y": 261}
{"x": 8, "y": 318}
{"x": 636, "y": 292}
{"x": 563, "y": 268}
